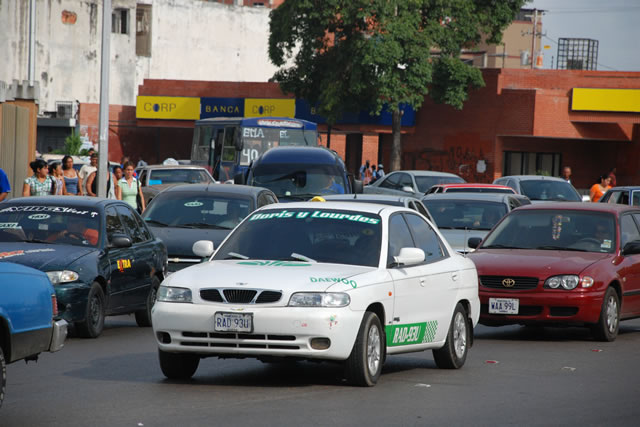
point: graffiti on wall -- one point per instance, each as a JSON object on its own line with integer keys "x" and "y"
{"x": 469, "y": 163}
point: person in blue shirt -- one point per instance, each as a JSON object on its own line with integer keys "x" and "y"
{"x": 5, "y": 188}
{"x": 329, "y": 186}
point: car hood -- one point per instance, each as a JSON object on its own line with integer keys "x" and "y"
{"x": 179, "y": 241}
{"x": 44, "y": 257}
{"x": 287, "y": 276}
{"x": 458, "y": 239}
{"x": 533, "y": 263}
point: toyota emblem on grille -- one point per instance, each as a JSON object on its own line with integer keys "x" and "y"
{"x": 508, "y": 283}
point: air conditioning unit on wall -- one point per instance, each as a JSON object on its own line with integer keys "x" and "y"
{"x": 65, "y": 109}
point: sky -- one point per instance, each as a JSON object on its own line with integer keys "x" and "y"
{"x": 614, "y": 23}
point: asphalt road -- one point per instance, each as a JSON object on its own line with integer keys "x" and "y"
{"x": 513, "y": 376}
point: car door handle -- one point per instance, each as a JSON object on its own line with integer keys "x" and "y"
{"x": 422, "y": 282}
{"x": 454, "y": 276}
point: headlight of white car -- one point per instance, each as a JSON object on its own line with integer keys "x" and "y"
{"x": 173, "y": 294}
{"x": 567, "y": 281}
{"x": 319, "y": 299}
{"x": 64, "y": 276}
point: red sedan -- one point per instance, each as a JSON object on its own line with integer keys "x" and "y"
{"x": 562, "y": 264}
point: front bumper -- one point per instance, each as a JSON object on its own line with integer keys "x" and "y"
{"x": 277, "y": 331}
{"x": 548, "y": 306}
{"x": 72, "y": 300}
{"x": 58, "y": 335}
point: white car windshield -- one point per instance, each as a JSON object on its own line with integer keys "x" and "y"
{"x": 313, "y": 235}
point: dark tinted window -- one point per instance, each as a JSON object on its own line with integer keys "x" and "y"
{"x": 399, "y": 237}
{"x": 392, "y": 181}
{"x": 465, "y": 214}
{"x": 545, "y": 189}
{"x": 425, "y": 238}
{"x": 426, "y": 182}
{"x": 629, "y": 230}
{"x": 130, "y": 223}
{"x": 114, "y": 225}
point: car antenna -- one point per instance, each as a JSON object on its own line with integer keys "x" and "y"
{"x": 465, "y": 241}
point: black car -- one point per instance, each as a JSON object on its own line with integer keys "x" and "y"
{"x": 100, "y": 256}
{"x": 184, "y": 214}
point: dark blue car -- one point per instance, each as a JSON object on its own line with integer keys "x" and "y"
{"x": 184, "y": 214}
{"x": 98, "y": 253}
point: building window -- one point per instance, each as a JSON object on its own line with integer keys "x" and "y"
{"x": 522, "y": 163}
{"x": 143, "y": 30}
{"x": 120, "y": 21}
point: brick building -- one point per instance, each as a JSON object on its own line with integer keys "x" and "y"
{"x": 523, "y": 121}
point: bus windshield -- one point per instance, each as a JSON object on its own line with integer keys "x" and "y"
{"x": 257, "y": 140}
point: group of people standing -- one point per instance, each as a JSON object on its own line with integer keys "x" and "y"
{"x": 603, "y": 183}
{"x": 369, "y": 174}
{"x": 63, "y": 179}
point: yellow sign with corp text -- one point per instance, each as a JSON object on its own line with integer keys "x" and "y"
{"x": 168, "y": 107}
{"x": 254, "y": 107}
{"x": 592, "y": 99}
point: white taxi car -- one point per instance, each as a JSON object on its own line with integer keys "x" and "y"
{"x": 339, "y": 281}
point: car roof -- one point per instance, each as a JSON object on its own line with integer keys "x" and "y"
{"x": 171, "y": 167}
{"x": 625, "y": 187}
{"x": 583, "y": 206}
{"x": 485, "y": 197}
{"x": 428, "y": 173}
{"x": 216, "y": 188}
{"x": 65, "y": 201}
{"x": 473, "y": 185}
{"x": 340, "y": 206}
{"x": 532, "y": 177}
{"x": 370, "y": 197}
{"x": 299, "y": 154}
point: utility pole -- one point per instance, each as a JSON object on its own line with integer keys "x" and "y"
{"x": 533, "y": 39}
{"x": 103, "y": 123}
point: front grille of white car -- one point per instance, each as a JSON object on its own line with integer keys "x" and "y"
{"x": 241, "y": 296}
{"x": 236, "y": 340}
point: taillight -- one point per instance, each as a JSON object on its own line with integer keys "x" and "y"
{"x": 54, "y": 303}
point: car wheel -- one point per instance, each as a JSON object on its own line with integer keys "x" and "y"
{"x": 3, "y": 376}
{"x": 178, "y": 366}
{"x": 364, "y": 365}
{"x": 143, "y": 317}
{"x": 607, "y": 327}
{"x": 454, "y": 352}
{"x": 93, "y": 323}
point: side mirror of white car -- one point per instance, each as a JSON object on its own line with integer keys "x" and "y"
{"x": 409, "y": 256}
{"x": 203, "y": 248}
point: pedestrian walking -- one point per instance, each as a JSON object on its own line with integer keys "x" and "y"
{"x": 40, "y": 183}
{"x": 363, "y": 170}
{"x": 5, "y": 187}
{"x": 92, "y": 189}
{"x": 55, "y": 172}
{"x": 612, "y": 178}
{"x": 566, "y": 174}
{"x": 599, "y": 188}
{"x": 129, "y": 191}
{"x": 86, "y": 170}
{"x": 72, "y": 182}
{"x": 380, "y": 172}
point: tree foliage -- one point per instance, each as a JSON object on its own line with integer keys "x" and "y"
{"x": 353, "y": 55}
{"x": 72, "y": 145}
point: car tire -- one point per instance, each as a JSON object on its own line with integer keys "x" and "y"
{"x": 178, "y": 366}
{"x": 454, "y": 352}
{"x": 143, "y": 317}
{"x": 364, "y": 365}
{"x": 3, "y": 376}
{"x": 609, "y": 322}
{"x": 93, "y": 323}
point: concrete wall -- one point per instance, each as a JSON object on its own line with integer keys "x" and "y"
{"x": 191, "y": 40}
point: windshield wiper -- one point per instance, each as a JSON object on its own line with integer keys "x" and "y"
{"x": 560, "y": 248}
{"x": 300, "y": 257}
{"x": 304, "y": 197}
{"x": 36, "y": 241}
{"x": 501, "y": 247}
{"x": 154, "y": 222}
{"x": 233, "y": 255}
{"x": 202, "y": 225}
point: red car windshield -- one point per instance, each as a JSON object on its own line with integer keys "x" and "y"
{"x": 555, "y": 230}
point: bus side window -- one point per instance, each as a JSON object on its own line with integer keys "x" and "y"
{"x": 229, "y": 148}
